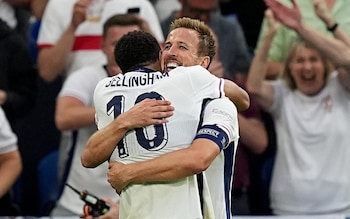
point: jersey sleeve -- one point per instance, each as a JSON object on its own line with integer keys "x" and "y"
{"x": 220, "y": 123}
{"x": 204, "y": 84}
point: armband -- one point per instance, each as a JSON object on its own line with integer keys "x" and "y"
{"x": 214, "y": 133}
{"x": 333, "y": 27}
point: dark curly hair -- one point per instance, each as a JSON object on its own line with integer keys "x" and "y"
{"x": 136, "y": 49}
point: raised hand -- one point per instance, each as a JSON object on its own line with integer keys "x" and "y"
{"x": 291, "y": 17}
{"x": 79, "y": 12}
{"x": 323, "y": 12}
{"x": 273, "y": 24}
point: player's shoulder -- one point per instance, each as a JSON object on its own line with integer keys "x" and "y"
{"x": 223, "y": 103}
{"x": 190, "y": 69}
{"x": 105, "y": 82}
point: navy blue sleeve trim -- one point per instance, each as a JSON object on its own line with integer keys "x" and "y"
{"x": 214, "y": 133}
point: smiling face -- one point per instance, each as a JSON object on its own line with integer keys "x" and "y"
{"x": 307, "y": 70}
{"x": 181, "y": 49}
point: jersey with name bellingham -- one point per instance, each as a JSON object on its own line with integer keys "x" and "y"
{"x": 186, "y": 88}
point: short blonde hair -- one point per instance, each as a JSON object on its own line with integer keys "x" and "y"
{"x": 206, "y": 40}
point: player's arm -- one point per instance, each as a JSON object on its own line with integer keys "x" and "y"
{"x": 184, "y": 162}
{"x": 172, "y": 166}
{"x": 237, "y": 95}
{"x": 102, "y": 143}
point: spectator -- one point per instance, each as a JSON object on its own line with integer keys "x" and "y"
{"x": 18, "y": 75}
{"x": 249, "y": 14}
{"x": 304, "y": 105}
{"x": 18, "y": 89}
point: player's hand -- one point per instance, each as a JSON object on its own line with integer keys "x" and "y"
{"x": 146, "y": 112}
{"x": 116, "y": 176}
{"x": 111, "y": 214}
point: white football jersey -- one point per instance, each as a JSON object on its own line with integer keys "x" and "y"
{"x": 222, "y": 113}
{"x": 186, "y": 88}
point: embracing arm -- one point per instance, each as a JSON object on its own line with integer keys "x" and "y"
{"x": 189, "y": 161}
{"x": 102, "y": 143}
{"x": 237, "y": 95}
{"x": 220, "y": 117}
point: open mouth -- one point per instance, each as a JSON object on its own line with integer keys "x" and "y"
{"x": 171, "y": 65}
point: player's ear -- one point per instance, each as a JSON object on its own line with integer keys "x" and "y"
{"x": 205, "y": 62}
{"x": 160, "y": 57}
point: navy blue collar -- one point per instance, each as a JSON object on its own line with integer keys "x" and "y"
{"x": 143, "y": 69}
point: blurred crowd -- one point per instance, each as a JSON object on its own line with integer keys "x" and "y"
{"x": 292, "y": 59}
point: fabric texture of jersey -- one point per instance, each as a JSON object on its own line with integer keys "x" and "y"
{"x": 8, "y": 140}
{"x": 81, "y": 85}
{"x": 222, "y": 113}
{"x": 186, "y": 88}
{"x": 87, "y": 46}
{"x": 313, "y": 147}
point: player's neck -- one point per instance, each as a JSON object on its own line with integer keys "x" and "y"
{"x": 153, "y": 66}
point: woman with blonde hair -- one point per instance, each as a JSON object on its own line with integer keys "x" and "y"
{"x": 310, "y": 106}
